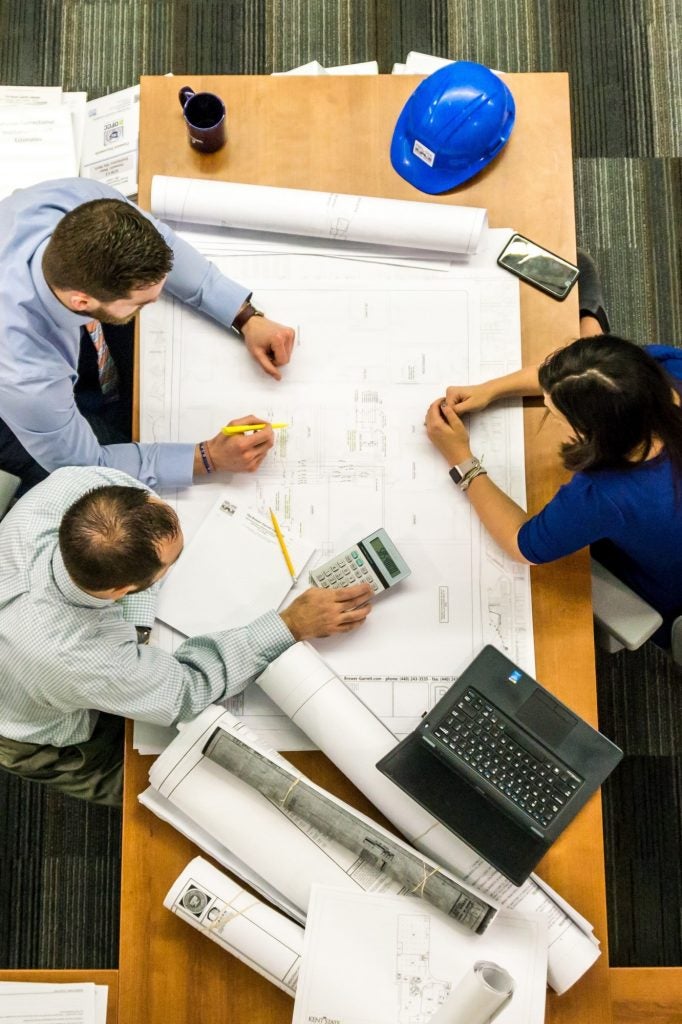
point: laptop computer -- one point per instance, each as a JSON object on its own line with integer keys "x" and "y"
{"x": 502, "y": 763}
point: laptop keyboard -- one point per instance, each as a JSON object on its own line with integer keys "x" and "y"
{"x": 478, "y": 733}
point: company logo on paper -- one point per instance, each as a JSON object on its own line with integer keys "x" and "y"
{"x": 423, "y": 152}
{"x": 323, "y": 1020}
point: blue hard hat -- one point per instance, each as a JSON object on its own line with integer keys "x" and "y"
{"x": 452, "y": 125}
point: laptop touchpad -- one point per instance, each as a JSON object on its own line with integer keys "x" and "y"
{"x": 544, "y": 717}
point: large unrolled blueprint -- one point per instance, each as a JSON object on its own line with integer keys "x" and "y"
{"x": 249, "y": 929}
{"x": 354, "y": 739}
{"x": 376, "y": 342}
{"x": 280, "y": 845}
{"x": 398, "y": 223}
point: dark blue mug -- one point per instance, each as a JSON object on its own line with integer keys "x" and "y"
{"x": 205, "y": 117}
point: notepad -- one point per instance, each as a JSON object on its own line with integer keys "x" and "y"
{"x": 232, "y": 571}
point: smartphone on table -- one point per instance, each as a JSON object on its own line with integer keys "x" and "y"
{"x": 539, "y": 267}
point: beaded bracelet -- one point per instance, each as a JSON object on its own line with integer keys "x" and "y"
{"x": 204, "y": 457}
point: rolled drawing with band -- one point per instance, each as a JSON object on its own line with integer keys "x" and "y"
{"x": 298, "y": 797}
{"x": 284, "y": 847}
{"x": 261, "y": 937}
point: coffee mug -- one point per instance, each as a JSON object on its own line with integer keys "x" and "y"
{"x": 205, "y": 115}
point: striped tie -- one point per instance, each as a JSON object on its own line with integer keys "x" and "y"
{"x": 106, "y": 367}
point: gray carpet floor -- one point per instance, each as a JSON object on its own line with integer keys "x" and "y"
{"x": 59, "y": 860}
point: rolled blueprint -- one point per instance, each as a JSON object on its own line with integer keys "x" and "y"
{"x": 277, "y": 844}
{"x": 339, "y": 218}
{"x": 478, "y": 997}
{"x": 249, "y": 929}
{"x": 296, "y": 796}
{"x": 344, "y": 729}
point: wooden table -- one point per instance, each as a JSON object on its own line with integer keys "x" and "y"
{"x": 333, "y": 134}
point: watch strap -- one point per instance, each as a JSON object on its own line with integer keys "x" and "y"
{"x": 244, "y": 315}
{"x": 467, "y": 471}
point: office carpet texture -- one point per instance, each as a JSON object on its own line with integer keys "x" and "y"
{"x": 60, "y": 859}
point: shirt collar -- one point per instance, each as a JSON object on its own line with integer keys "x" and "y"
{"x": 63, "y": 317}
{"x": 69, "y": 590}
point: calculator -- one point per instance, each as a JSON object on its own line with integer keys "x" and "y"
{"x": 375, "y": 560}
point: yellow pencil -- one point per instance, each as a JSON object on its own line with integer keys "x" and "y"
{"x": 244, "y": 428}
{"x": 280, "y": 538}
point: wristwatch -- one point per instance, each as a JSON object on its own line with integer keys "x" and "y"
{"x": 243, "y": 317}
{"x": 467, "y": 471}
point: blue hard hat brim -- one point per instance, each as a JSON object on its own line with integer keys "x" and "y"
{"x": 431, "y": 180}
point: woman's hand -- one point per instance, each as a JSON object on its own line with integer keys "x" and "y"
{"x": 464, "y": 398}
{"x": 447, "y": 432}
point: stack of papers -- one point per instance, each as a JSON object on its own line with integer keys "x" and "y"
{"x": 47, "y": 133}
{"x": 36, "y": 1003}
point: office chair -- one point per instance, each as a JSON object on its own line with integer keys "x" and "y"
{"x": 8, "y": 488}
{"x": 623, "y": 619}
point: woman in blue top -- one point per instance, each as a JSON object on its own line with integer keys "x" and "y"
{"x": 620, "y": 406}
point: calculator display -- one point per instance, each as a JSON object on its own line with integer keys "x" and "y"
{"x": 386, "y": 559}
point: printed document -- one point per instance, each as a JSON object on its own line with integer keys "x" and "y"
{"x": 232, "y": 571}
{"x": 46, "y": 1003}
{"x": 379, "y": 958}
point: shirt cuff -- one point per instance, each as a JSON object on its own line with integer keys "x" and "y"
{"x": 175, "y": 465}
{"x": 270, "y": 635}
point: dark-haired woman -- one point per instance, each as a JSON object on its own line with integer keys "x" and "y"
{"x": 620, "y": 406}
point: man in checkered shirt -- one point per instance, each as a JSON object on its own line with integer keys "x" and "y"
{"x": 81, "y": 559}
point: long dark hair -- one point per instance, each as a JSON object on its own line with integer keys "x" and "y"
{"x": 617, "y": 399}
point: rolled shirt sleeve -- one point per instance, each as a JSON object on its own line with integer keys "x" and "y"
{"x": 151, "y": 685}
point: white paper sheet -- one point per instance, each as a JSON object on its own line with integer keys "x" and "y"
{"x": 47, "y": 1003}
{"x": 259, "y": 936}
{"x": 379, "y": 958}
{"x": 232, "y": 571}
{"x": 369, "y": 67}
{"x": 354, "y": 739}
{"x": 76, "y": 103}
{"x": 35, "y": 95}
{"x": 112, "y": 128}
{"x": 36, "y": 143}
{"x": 366, "y": 219}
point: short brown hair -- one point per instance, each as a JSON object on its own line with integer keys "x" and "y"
{"x": 109, "y": 538}
{"x": 106, "y": 248}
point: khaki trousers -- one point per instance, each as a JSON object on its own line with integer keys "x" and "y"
{"x": 91, "y": 770}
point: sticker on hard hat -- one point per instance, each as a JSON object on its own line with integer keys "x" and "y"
{"x": 425, "y": 154}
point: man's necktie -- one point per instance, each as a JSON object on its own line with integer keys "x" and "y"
{"x": 106, "y": 367}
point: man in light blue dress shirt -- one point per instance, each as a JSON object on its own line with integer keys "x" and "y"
{"x": 83, "y": 554}
{"x": 74, "y": 251}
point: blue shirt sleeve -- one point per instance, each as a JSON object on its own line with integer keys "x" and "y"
{"x": 669, "y": 358}
{"x": 578, "y": 514}
{"x": 39, "y": 350}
